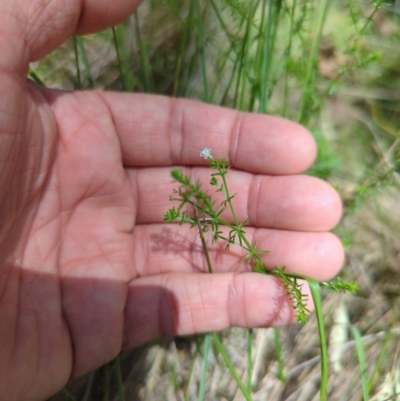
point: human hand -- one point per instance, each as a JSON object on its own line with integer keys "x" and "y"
{"x": 88, "y": 266}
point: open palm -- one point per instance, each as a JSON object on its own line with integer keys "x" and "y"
{"x": 88, "y": 267}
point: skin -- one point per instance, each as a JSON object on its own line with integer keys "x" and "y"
{"x": 88, "y": 267}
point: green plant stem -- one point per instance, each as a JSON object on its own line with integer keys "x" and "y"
{"x": 250, "y": 342}
{"x": 266, "y": 59}
{"x": 231, "y": 368}
{"x": 191, "y": 375}
{"x": 228, "y": 198}
{"x": 119, "y": 37}
{"x": 203, "y": 241}
{"x": 316, "y": 296}
{"x": 278, "y": 353}
{"x": 306, "y": 100}
{"x": 143, "y": 55}
{"x": 88, "y": 72}
{"x": 77, "y": 66}
{"x": 362, "y": 361}
{"x": 36, "y": 78}
{"x": 289, "y": 50}
{"x": 183, "y": 43}
{"x": 383, "y": 357}
{"x": 203, "y": 377}
{"x": 201, "y": 40}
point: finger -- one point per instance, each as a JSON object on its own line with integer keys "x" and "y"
{"x": 181, "y": 304}
{"x": 164, "y": 249}
{"x": 30, "y": 30}
{"x": 300, "y": 203}
{"x": 160, "y": 131}
{"x": 98, "y": 15}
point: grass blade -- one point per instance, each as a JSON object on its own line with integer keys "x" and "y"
{"x": 201, "y": 42}
{"x": 183, "y": 43}
{"x": 191, "y": 377}
{"x": 231, "y": 368}
{"x": 266, "y": 61}
{"x": 119, "y": 37}
{"x": 77, "y": 63}
{"x": 316, "y": 296}
{"x": 250, "y": 342}
{"x": 362, "y": 361}
{"x": 144, "y": 56}
{"x": 36, "y": 78}
{"x": 278, "y": 353}
{"x": 204, "y": 366}
{"x": 306, "y": 100}
{"x": 82, "y": 51}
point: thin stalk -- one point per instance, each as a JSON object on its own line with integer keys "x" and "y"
{"x": 88, "y": 72}
{"x": 278, "y": 353}
{"x": 228, "y": 197}
{"x": 143, "y": 55}
{"x": 224, "y": 26}
{"x": 36, "y": 77}
{"x": 182, "y": 50}
{"x": 376, "y": 4}
{"x": 204, "y": 366}
{"x": 362, "y": 361}
{"x": 289, "y": 50}
{"x": 247, "y": 46}
{"x": 201, "y": 42}
{"x": 256, "y": 88}
{"x": 250, "y": 342}
{"x": 173, "y": 8}
{"x": 78, "y": 69}
{"x": 203, "y": 241}
{"x": 119, "y": 37}
{"x": 234, "y": 69}
{"x": 191, "y": 375}
{"x": 231, "y": 368}
{"x": 240, "y": 61}
{"x": 239, "y": 77}
{"x": 316, "y": 296}
{"x": 266, "y": 61}
{"x": 192, "y": 61}
{"x": 306, "y": 100}
{"x": 228, "y": 86}
{"x": 179, "y": 79}
{"x": 383, "y": 355}
{"x": 275, "y": 23}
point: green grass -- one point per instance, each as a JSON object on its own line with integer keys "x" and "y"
{"x": 332, "y": 66}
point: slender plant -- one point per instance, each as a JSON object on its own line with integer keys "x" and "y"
{"x": 198, "y": 209}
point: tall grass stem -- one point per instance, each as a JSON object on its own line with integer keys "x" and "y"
{"x": 86, "y": 65}
{"x": 362, "y": 361}
{"x": 204, "y": 366}
{"x": 316, "y": 296}
{"x": 228, "y": 363}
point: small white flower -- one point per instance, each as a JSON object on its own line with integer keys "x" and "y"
{"x": 206, "y": 153}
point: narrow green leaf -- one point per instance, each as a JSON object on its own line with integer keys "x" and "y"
{"x": 362, "y": 361}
